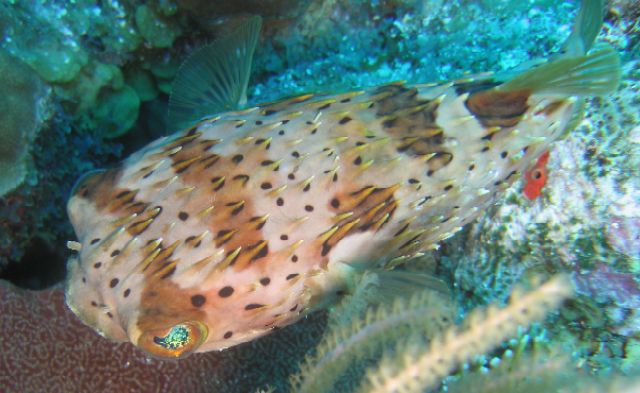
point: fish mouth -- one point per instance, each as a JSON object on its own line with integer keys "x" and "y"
{"x": 175, "y": 342}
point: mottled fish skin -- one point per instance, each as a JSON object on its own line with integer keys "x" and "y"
{"x": 250, "y": 219}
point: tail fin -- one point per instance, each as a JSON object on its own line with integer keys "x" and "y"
{"x": 586, "y": 28}
{"x": 594, "y": 74}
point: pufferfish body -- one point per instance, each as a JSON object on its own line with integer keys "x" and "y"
{"x": 248, "y": 220}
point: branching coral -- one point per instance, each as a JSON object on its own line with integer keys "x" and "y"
{"x": 361, "y": 338}
{"x": 416, "y": 368}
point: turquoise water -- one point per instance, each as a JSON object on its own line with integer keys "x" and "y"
{"x": 87, "y": 83}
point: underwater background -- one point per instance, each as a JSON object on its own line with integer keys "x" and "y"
{"x": 86, "y": 83}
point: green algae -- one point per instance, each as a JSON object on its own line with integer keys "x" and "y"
{"x": 157, "y": 31}
{"x": 117, "y": 111}
{"x": 143, "y": 83}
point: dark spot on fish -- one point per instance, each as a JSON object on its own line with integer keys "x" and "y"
{"x": 424, "y": 200}
{"x": 497, "y": 183}
{"x": 237, "y": 158}
{"x": 295, "y": 154}
{"x": 314, "y": 131}
{"x": 264, "y": 251}
{"x": 242, "y": 177}
{"x": 169, "y": 273}
{"x": 260, "y": 141}
{"x": 284, "y": 237}
{"x": 239, "y": 124}
{"x": 445, "y": 220}
{"x": 280, "y": 202}
{"x": 126, "y": 292}
{"x": 413, "y": 181}
{"x": 292, "y": 276}
{"x": 345, "y": 120}
{"x": 281, "y": 132}
{"x": 504, "y": 154}
{"x": 472, "y": 167}
{"x": 285, "y": 121}
{"x": 511, "y": 174}
{"x": 198, "y": 300}
{"x": 266, "y": 186}
{"x": 389, "y": 122}
{"x": 357, "y": 161}
{"x": 325, "y": 249}
{"x": 97, "y": 265}
{"x": 258, "y": 122}
{"x": 113, "y": 282}
{"x": 183, "y": 216}
{"x": 228, "y": 334}
{"x": 253, "y": 306}
{"x": 122, "y": 194}
{"x": 325, "y": 106}
{"x": 294, "y": 259}
{"x": 294, "y": 308}
{"x": 226, "y": 291}
{"x": 308, "y": 208}
{"x": 84, "y": 280}
{"x": 94, "y": 304}
{"x": 402, "y": 230}
{"x": 307, "y": 187}
{"x": 449, "y": 187}
{"x": 237, "y": 209}
{"x": 485, "y": 149}
{"x": 94, "y": 241}
{"x": 266, "y": 162}
{"x": 269, "y": 112}
{"x": 335, "y": 177}
{"x": 335, "y": 203}
{"x": 115, "y": 253}
{"x": 264, "y": 281}
{"x": 190, "y": 238}
{"x": 216, "y": 180}
{"x": 430, "y": 172}
{"x": 345, "y": 100}
{"x": 146, "y": 175}
{"x": 109, "y": 315}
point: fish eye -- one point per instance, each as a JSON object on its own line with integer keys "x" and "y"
{"x": 537, "y": 174}
{"x": 174, "y": 342}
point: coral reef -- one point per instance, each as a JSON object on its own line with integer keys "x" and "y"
{"x": 22, "y": 106}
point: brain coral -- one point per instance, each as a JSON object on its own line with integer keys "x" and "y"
{"x": 45, "y": 348}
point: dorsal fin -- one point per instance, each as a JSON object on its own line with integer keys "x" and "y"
{"x": 214, "y": 78}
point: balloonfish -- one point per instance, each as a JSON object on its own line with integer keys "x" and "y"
{"x": 248, "y": 219}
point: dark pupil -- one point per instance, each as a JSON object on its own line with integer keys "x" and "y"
{"x": 178, "y": 337}
{"x": 537, "y": 175}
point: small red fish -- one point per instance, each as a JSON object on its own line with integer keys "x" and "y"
{"x": 536, "y": 177}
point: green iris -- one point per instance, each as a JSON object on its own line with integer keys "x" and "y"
{"x": 178, "y": 337}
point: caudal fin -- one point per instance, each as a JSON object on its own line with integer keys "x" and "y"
{"x": 593, "y": 74}
{"x": 586, "y": 28}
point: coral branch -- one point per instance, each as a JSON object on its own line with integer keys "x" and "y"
{"x": 424, "y": 370}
